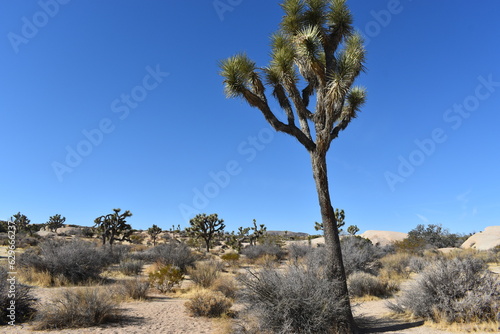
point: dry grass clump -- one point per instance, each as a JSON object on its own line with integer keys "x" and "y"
{"x": 77, "y": 308}
{"x": 205, "y": 273}
{"x": 458, "y": 290}
{"x": 136, "y": 288}
{"x": 363, "y": 284}
{"x": 400, "y": 266}
{"x": 256, "y": 251}
{"x": 225, "y": 284}
{"x": 131, "y": 267}
{"x": 208, "y": 303}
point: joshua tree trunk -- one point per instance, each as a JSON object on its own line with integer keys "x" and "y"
{"x": 335, "y": 266}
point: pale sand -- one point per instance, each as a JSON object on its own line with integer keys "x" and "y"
{"x": 159, "y": 314}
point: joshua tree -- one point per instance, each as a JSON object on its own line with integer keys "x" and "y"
{"x": 153, "y": 232}
{"x": 339, "y": 218}
{"x": 353, "y": 229}
{"x": 55, "y": 222}
{"x": 315, "y": 40}
{"x": 206, "y": 228}
{"x": 257, "y": 232}
{"x": 21, "y": 222}
{"x": 114, "y": 227}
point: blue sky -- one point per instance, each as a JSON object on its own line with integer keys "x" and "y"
{"x": 119, "y": 104}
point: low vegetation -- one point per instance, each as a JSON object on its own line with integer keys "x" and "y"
{"x": 84, "y": 307}
{"x": 458, "y": 290}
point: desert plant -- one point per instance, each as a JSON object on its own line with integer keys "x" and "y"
{"x": 135, "y": 288}
{"x": 206, "y": 228}
{"x": 256, "y": 251}
{"x": 166, "y": 277}
{"x": 225, "y": 284}
{"x": 176, "y": 254}
{"x": 113, "y": 227}
{"x": 131, "y": 267}
{"x": 401, "y": 265}
{"x": 231, "y": 258}
{"x": 295, "y": 251}
{"x": 55, "y": 222}
{"x": 153, "y": 232}
{"x": 205, "y": 273}
{"x": 359, "y": 254}
{"x": 365, "y": 284}
{"x": 455, "y": 290}
{"x": 75, "y": 260}
{"x": 20, "y": 295}
{"x": 76, "y": 309}
{"x": 295, "y": 300}
{"x": 208, "y": 303}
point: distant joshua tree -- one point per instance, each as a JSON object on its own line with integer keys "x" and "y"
{"x": 55, "y": 222}
{"x": 114, "y": 227}
{"x": 206, "y": 228}
{"x": 153, "y": 233}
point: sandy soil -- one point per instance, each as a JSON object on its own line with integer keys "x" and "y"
{"x": 159, "y": 314}
{"x": 162, "y": 314}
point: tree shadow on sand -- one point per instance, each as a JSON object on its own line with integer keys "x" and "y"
{"x": 377, "y": 325}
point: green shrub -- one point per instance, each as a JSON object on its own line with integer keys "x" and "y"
{"x": 256, "y": 251}
{"x": 208, "y": 303}
{"x": 231, "y": 257}
{"x": 77, "y": 308}
{"x": 165, "y": 278}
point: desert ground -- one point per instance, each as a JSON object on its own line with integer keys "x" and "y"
{"x": 166, "y": 313}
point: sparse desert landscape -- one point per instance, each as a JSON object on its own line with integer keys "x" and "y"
{"x": 392, "y": 271}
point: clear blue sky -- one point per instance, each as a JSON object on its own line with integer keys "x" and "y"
{"x": 107, "y": 104}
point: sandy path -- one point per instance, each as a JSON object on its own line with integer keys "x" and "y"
{"x": 159, "y": 314}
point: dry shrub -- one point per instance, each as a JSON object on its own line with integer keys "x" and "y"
{"x": 208, "y": 303}
{"x": 458, "y": 290}
{"x": 225, "y": 284}
{"x": 77, "y": 308}
{"x": 77, "y": 261}
{"x": 24, "y": 300}
{"x": 294, "y": 300}
{"x": 131, "y": 267}
{"x": 205, "y": 273}
{"x": 256, "y": 251}
{"x": 176, "y": 254}
{"x": 135, "y": 289}
{"x": 364, "y": 284}
{"x": 166, "y": 277}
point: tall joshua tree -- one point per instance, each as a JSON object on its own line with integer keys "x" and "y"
{"x": 317, "y": 49}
